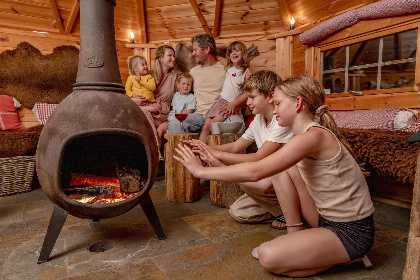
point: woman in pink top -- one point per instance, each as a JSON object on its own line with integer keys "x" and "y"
{"x": 314, "y": 175}
{"x": 165, "y": 76}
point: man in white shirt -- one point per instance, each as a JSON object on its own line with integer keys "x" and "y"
{"x": 209, "y": 76}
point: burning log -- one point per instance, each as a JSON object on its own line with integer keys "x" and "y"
{"x": 90, "y": 190}
{"x": 130, "y": 180}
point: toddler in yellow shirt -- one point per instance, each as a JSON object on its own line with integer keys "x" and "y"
{"x": 140, "y": 85}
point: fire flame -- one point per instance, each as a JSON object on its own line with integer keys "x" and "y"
{"x": 115, "y": 195}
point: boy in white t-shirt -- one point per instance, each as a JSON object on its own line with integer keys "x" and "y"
{"x": 253, "y": 206}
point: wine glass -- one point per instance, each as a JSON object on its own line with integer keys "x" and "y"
{"x": 181, "y": 115}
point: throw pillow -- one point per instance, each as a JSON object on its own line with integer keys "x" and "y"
{"x": 414, "y": 127}
{"x": 43, "y": 111}
{"x": 404, "y": 119}
{"x": 9, "y": 119}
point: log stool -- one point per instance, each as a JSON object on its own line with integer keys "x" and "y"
{"x": 223, "y": 194}
{"x": 412, "y": 265}
{"x": 181, "y": 186}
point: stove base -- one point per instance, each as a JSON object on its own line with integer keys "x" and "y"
{"x": 59, "y": 216}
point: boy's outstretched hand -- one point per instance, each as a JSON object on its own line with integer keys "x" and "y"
{"x": 188, "y": 159}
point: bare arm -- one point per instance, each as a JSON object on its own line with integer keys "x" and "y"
{"x": 294, "y": 151}
{"x": 265, "y": 150}
{"x": 222, "y": 60}
{"x": 234, "y": 147}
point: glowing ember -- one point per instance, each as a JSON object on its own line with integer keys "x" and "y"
{"x": 109, "y": 186}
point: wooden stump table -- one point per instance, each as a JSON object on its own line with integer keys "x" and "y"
{"x": 223, "y": 194}
{"x": 181, "y": 186}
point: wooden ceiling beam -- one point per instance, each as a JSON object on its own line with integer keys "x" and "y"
{"x": 73, "y": 16}
{"x": 57, "y": 17}
{"x": 285, "y": 13}
{"x": 141, "y": 19}
{"x": 217, "y": 18}
{"x": 200, "y": 17}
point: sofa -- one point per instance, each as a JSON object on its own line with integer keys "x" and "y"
{"x": 379, "y": 139}
{"x": 31, "y": 84}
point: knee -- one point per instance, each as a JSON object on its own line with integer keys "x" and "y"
{"x": 269, "y": 258}
{"x": 236, "y": 214}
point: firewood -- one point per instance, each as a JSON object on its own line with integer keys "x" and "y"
{"x": 130, "y": 180}
{"x": 91, "y": 190}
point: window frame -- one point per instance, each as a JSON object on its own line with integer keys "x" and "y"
{"x": 363, "y": 32}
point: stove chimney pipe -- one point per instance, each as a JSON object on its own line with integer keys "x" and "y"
{"x": 98, "y": 64}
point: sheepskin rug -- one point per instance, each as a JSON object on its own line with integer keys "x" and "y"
{"x": 31, "y": 77}
{"x": 387, "y": 152}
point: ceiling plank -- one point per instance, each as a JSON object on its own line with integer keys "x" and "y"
{"x": 200, "y": 17}
{"x": 73, "y": 16}
{"x": 141, "y": 19}
{"x": 217, "y": 18}
{"x": 285, "y": 13}
{"x": 58, "y": 22}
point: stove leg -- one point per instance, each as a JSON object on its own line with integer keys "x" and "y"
{"x": 149, "y": 209}
{"x": 58, "y": 217}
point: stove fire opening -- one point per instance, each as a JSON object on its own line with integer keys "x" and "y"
{"x": 103, "y": 168}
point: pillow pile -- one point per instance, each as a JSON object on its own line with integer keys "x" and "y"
{"x": 9, "y": 119}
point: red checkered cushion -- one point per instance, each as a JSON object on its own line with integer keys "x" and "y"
{"x": 43, "y": 111}
{"x": 414, "y": 127}
{"x": 9, "y": 119}
{"x": 367, "y": 119}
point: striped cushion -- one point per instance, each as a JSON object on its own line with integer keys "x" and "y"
{"x": 367, "y": 119}
{"x": 9, "y": 119}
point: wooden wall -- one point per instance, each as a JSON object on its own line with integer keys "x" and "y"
{"x": 170, "y": 21}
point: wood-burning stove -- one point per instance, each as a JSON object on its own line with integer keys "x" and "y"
{"x": 96, "y": 131}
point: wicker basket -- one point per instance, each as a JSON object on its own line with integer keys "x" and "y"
{"x": 16, "y": 174}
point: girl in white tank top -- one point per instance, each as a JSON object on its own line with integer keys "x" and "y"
{"x": 314, "y": 176}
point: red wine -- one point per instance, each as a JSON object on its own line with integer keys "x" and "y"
{"x": 181, "y": 117}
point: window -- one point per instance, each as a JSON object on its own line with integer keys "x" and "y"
{"x": 379, "y": 63}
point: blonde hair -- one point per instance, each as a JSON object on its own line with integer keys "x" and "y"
{"x": 240, "y": 46}
{"x": 157, "y": 72}
{"x": 264, "y": 81}
{"x": 313, "y": 95}
{"x": 133, "y": 62}
{"x": 185, "y": 75}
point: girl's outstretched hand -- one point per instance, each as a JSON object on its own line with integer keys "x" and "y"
{"x": 205, "y": 155}
{"x": 188, "y": 159}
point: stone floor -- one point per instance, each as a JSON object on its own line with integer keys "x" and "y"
{"x": 203, "y": 242}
